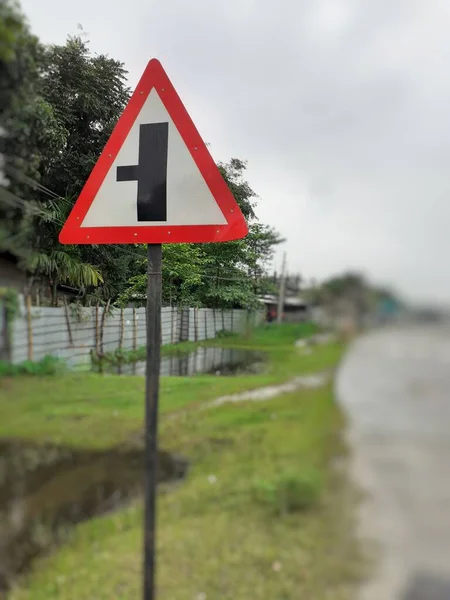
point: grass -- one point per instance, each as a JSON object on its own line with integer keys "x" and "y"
{"x": 99, "y": 411}
{"x": 262, "y": 513}
{"x": 290, "y": 491}
{"x": 214, "y": 537}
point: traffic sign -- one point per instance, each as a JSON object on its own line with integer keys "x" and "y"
{"x": 155, "y": 181}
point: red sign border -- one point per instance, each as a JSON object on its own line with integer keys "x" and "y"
{"x": 154, "y": 77}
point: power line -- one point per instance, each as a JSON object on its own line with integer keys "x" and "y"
{"x": 31, "y": 182}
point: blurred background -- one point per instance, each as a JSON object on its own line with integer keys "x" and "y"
{"x": 301, "y": 365}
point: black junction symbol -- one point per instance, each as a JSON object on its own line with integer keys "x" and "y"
{"x": 150, "y": 172}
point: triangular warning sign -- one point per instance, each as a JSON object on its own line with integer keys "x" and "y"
{"x": 155, "y": 181}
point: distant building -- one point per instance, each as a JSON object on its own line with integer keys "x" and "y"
{"x": 295, "y": 309}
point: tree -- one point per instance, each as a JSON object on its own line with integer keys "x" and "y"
{"x": 236, "y": 271}
{"x": 233, "y": 173}
{"x": 260, "y": 248}
{"x": 25, "y": 120}
{"x": 182, "y": 270}
{"x": 87, "y": 94}
{"x": 81, "y": 97}
{"x": 60, "y": 264}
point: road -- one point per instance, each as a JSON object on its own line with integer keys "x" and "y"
{"x": 395, "y": 388}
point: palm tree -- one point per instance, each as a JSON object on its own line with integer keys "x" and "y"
{"x": 60, "y": 264}
{"x": 60, "y": 267}
{"x": 33, "y": 239}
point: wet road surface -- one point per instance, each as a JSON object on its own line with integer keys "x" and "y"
{"x": 395, "y": 387}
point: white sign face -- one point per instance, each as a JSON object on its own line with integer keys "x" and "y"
{"x": 189, "y": 200}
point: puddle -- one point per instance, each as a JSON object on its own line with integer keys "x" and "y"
{"x": 208, "y": 360}
{"x": 44, "y": 491}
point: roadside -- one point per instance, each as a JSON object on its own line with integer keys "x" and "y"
{"x": 394, "y": 385}
{"x": 263, "y": 512}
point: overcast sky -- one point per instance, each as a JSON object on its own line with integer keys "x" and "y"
{"x": 341, "y": 107}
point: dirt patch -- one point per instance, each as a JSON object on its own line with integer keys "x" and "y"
{"x": 271, "y": 391}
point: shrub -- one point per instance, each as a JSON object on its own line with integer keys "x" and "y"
{"x": 290, "y": 491}
{"x": 224, "y": 333}
{"x": 49, "y": 365}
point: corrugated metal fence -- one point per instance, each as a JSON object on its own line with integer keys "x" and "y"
{"x": 71, "y": 333}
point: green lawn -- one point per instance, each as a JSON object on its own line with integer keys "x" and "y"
{"x": 98, "y": 411}
{"x": 217, "y": 538}
{"x": 228, "y": 531}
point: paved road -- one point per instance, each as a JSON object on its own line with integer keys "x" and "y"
{"x": 395, "y": 386}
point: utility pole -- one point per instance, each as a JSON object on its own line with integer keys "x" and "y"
{"x": 281, "y": 290}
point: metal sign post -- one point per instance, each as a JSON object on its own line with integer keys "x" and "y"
{"x": 154, "y": 287}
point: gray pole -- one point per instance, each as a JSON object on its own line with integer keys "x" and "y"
{"x": 281, "y": 291}
{"x": 154, "y": 286}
